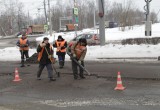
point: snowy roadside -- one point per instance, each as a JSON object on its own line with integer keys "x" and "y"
{"x": 112, "y": 34}
{"x": 97, "y": 53}
{"x": 101, "y": 53}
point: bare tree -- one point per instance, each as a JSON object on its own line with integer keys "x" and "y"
{"x": 154, "y": 18}
{"x": 13, "y": 18}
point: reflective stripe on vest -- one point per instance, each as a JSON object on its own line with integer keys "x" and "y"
{"x": 79, "y": 50}
{"x": 23, "y": 42}
{"x": 41, "y": 53}
{"x": 59, "y": 45}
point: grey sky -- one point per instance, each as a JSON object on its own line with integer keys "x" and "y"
{"x": 32, "y": 5}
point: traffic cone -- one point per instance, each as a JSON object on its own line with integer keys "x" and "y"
{"x": 16, "y": 79}
{"x": 119, "y": 83}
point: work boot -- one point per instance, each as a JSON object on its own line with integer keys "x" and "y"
{"x": 22, "y": 62}
{"x": 60, "y": 67}
{"x": 38, "y": 78}
{"x": 82, "y": 77}
{"x": 76, "y": 76}
{"x": 52, "y": 79}
{"x": 61, "y": 64}
{"x": 22, "y": 65}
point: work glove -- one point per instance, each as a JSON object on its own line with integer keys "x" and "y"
{"x": 43, "y": 45}
{"x": 26, "y": 45}
{"x": 74, "y": 56}
{"x": 22, "y": 45}
{"x": 79, "y": 62}
{"x": 50, "y": 56}
{"x": 62, "y": 47}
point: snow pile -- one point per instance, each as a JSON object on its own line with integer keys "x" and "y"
{"x": 122, "y": 51}
{"x": 111, "y": 33}
{"x": 12, "y": 54}
{"x": 94, "y": 52}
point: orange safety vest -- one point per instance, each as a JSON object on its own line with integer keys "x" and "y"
{"x": 79, "y": 50}
{"x": 23, "y": 42}
{"x": 41, "y": 53}
{"x": 59, "y": 45}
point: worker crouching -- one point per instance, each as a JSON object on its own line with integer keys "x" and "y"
{"x": 78, "y": 51}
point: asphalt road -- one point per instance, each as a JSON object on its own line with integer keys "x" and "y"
{"x": 91, "y": 93}
{"x": 96, "y": 92}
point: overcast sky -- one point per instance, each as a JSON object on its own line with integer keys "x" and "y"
{"x": 32, "y": 5}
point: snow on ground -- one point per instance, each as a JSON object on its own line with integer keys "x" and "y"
{"x": 111, "y": 33}
{"x": 12, "y": 54}
{"x": 95, "y": 52}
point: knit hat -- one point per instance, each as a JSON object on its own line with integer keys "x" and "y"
{"x": 59, "y": 37}
{"x": 45, "y": 38}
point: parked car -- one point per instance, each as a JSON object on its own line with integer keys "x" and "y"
{"x": 92, "y": 39}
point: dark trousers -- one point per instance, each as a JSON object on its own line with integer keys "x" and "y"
{"x": 24, "y": 53}
{"x": 49, "y": 69}
{"x": 75, "y": 69}
{"x": 61, "y": 59}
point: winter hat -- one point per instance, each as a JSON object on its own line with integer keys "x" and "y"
{"x": 45, "y": 38}
{"x": 83, "y": 40}
{"x": 60, "y": 37}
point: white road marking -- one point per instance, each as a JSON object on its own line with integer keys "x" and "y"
{"x": 100, "y": 101}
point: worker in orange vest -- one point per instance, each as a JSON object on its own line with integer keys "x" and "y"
{"x": 45, "y": 58}
{"x": 78, "y": 51}
{"x": 61, "y": 45}
{"x": 23, "y": 44}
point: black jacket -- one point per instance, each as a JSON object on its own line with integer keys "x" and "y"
{"x": 45, "y": 59}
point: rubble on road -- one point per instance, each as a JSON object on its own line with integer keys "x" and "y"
{"x": 33, "y": 58}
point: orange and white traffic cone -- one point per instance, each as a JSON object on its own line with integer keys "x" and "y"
{"x": 119, "y": 83}
{"x": 17, "y": 78}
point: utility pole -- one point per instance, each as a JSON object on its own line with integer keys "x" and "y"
{"x": 94, "y": 18}
{"x": 148, "y": 22}
{"x": 45, "y": 11}
{"x": 28, "y": 19}
{"x": 94, "y": 14}
{"x": 101, "y": 22}
{"x": 75, "y": 17}
{"x": 50, "y": 21}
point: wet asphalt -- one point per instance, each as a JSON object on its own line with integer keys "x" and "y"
{"x": 96, "y": 92}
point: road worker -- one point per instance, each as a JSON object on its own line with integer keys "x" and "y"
{"x": 61, "y": 46}
{"x": 45, "y": 57}
{"x": 23, "y": 44}
{"x": 78, "y": 51}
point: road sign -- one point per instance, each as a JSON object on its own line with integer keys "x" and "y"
{"x": 76, "y": 19}
{"x": 46, "y": 27}
{"x": 75, "y": 11}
